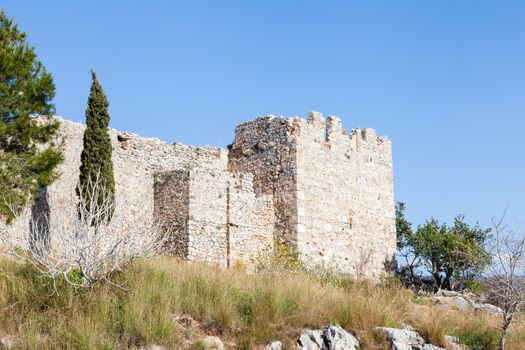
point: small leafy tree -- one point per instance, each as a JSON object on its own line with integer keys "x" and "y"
{"x": 446, "y": 252}
{"x": 28, "y": 157}
{"x": 96, "y": 164}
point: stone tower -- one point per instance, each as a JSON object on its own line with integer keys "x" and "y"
{"x": 333, "y": 193}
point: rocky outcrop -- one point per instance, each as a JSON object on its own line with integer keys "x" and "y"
{"x": 464, "y": 302}
{"x": 275, "y": 345}
{"x": 338, "y": 339}
{"x": 213, "y": 343}
{"x": 331, "y": 338}
{"x": 7, "y": 342}
{"x": 406, "y": 339}
{"x": 311, "y": 340}
{"x": 153, "y": 347}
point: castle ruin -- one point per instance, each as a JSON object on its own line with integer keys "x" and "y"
{"x": 305, "y": 183}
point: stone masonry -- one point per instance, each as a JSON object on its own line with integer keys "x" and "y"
{"x": 216, "y": 215}
{"x": 301, "y": 182}
{"x": 333, "y": 193}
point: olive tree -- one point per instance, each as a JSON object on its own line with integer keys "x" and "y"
{"x": 450, "y": 254}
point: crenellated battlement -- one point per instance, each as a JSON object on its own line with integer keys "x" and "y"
{"x": 328, "y": 131}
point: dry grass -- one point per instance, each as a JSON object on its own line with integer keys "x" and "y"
{"x": 242, "y": 308}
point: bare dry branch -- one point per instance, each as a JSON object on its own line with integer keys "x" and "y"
{"x": 505, "y": 275}
{"x": 77, "y": 241}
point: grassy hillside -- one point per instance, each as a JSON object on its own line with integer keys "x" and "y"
{"x": 241, "y": 308}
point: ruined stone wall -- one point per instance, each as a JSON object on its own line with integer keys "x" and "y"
{"x": 207, "y": 225}
{"x": 136, "y": 160}
{"x": 250, "y": 220}
{"x": 216, "y": 216}
{"x": 264, "y": 147}
{"x": 305, "y": 182}
{"x": 171, "y": 207}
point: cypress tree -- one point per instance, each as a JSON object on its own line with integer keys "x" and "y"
{"x": 96, "y": 164}
{"x": 28, "y": 157}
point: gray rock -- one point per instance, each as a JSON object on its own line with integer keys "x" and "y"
{"x": 331, "y": 338}
{"x": 7, "y": 343}
{"x": 455, "y": 301}
{"x": 431, "y": 347}
{"x": 311, "y": 340}
{"x": 407, "y": 326}
{"x": 336, "y": 338}
{"x": 489, "y": 308}
{"x": 402, "y": 346}
{"x": 464, "y": 302}
{"x": 153, "y": 347}
{"x": 275, "y": 345}
{"x": 406, "y": 339}
{"x": 452, "y": 338}
{"x": 213, "y": 343}
{"x": 403, "y": 336}
{"x": 447, "y": 293}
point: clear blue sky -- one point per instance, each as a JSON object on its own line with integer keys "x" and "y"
{"x": 445, "y": 80}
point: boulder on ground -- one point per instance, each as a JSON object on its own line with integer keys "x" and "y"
{"x": 213, "y": 343}
{"x": 338, "y": 339}
{"x": 488, "y": 308}
{"x": 406, "y": 339}
{"x": 456, "y": 301}
{"x": 311, "y": 340}
{"x": 7, "y": 342}
{"x": 331, "y": 338}
{"x": 464, "y": 302}
{"x": 275, "y": 345}
{"x": 152, "y": 347}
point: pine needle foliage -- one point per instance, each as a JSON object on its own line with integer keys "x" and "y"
{"x": 28, "y": 157}
{"x": 96, "y": 164}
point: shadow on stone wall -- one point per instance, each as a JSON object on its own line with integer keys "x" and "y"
{"x": 39, "y": 223}
{"x": 390, "y": 265}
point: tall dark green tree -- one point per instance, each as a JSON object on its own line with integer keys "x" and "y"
{"x": 28, "y": 157}
{"x": 96, "y": 164}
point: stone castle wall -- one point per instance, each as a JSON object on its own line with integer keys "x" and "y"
{"x": 333, "y": 193}
{"x": 251, "y": 220}
{"x": 303, "y": 182}
{"x": 265, "y": 148}
{"x": 216, "y": 216}
{"x": 345, "y": 197}
{"x": 136, "y": 160}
